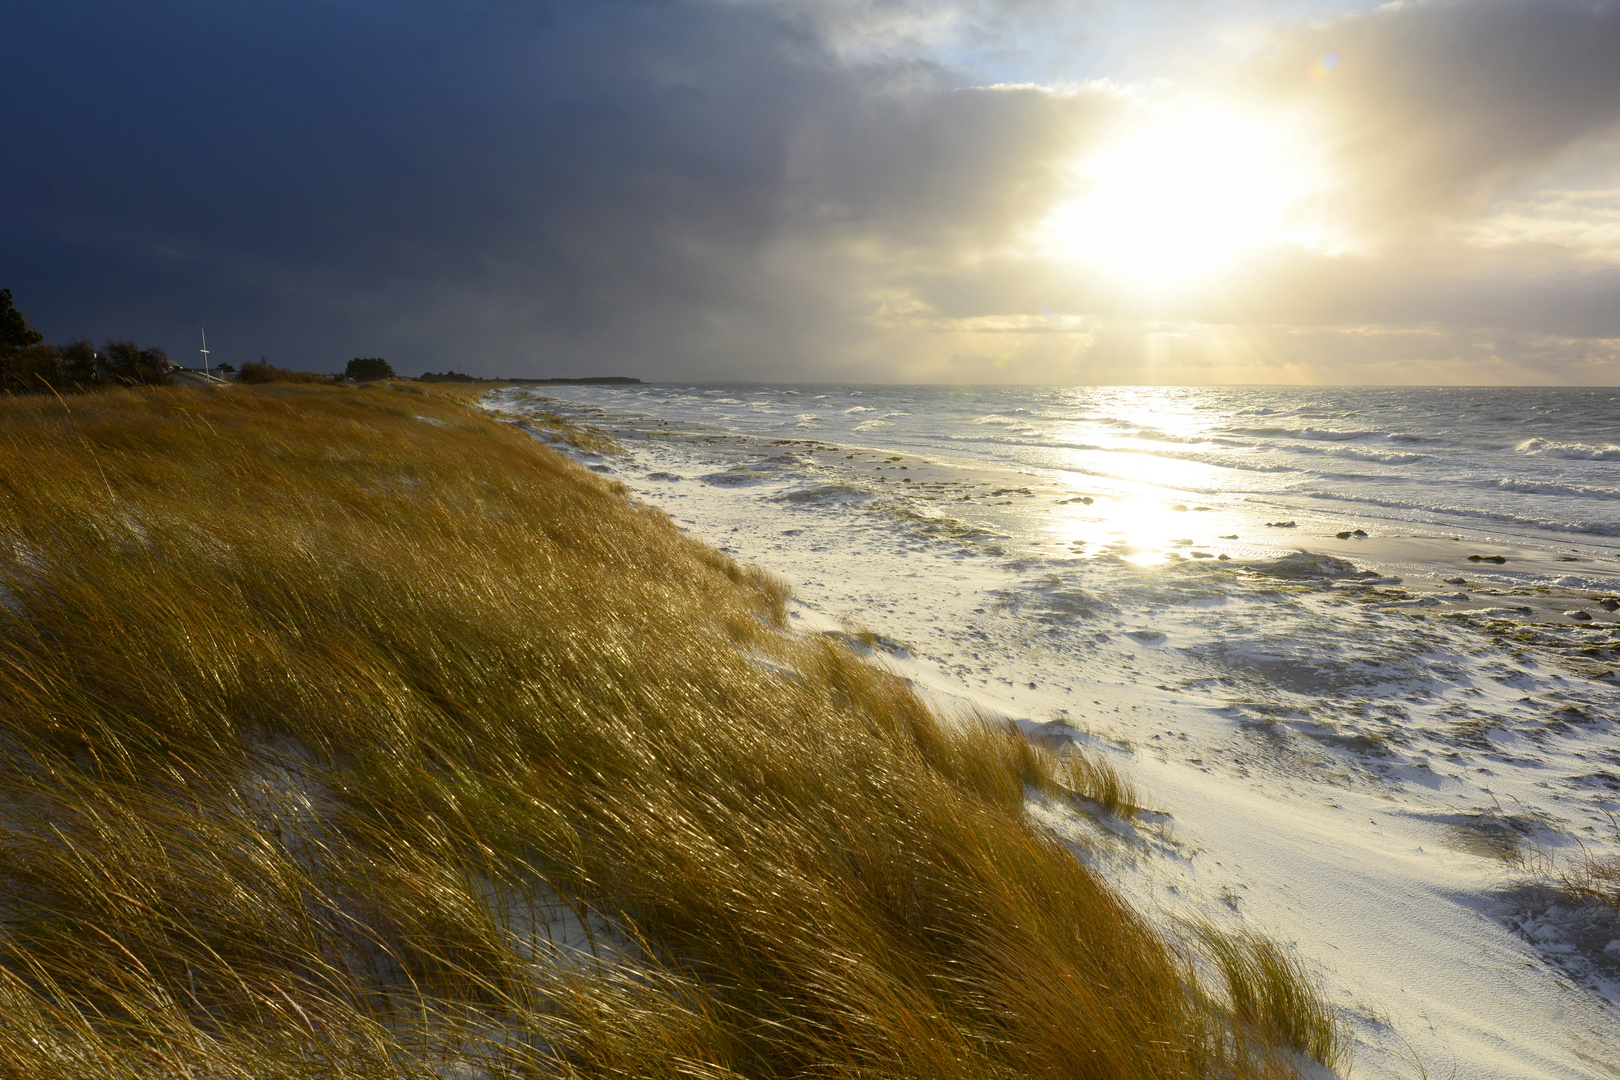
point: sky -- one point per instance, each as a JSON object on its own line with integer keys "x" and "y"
{"x": 939, "y": 191}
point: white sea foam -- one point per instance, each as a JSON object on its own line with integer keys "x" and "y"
{"x": 1548, "y": 487}
{"x": 1569, "y": 451}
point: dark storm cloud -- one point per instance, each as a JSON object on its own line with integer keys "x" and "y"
{"x": 346, "y": 169}
{"x": 512, "y": 185}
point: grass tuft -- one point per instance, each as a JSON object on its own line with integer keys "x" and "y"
{"x": 1094, "y": 777}
{"x": 1270, "y": 995}
{"x": 1588, "y": 875}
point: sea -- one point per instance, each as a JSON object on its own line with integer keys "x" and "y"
{"x": 1356, "y": 646}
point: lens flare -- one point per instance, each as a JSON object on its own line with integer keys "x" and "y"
{"x": 1324, "y": 66}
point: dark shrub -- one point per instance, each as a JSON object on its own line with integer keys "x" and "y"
{"x": 33, "y": 368}
{"x": 79, "y": 366}
{"x": 262, "y": 371}
{"x": 363, "y": 369}
{"x": 128, "y": 363}
{"x": 29, "y": 366}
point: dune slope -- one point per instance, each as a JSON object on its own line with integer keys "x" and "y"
{"x": 352, "y": 733}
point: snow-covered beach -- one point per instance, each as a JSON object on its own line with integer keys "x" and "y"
{"x": 1339, "y": 751}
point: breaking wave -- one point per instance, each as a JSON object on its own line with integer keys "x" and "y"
{"x": 1569, "y": 451}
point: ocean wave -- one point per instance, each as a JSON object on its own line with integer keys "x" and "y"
{"x": 1585, "y": 528}
{"x": 1570, "y": 451}
{"x": 1333, "y": 435}
{"x": 860, "y": 409}
{"x": 1010, "y": 439}
{"x": 1154, "y": 435}
{"x": 1219, "y": 461}
{"x": 1319, "y": 434}
{"x": 1533, "y": 487}
{"x": 1346, "y": 453}
{"x": 1252, "y": 466}
{"x": 1381, "y": 459}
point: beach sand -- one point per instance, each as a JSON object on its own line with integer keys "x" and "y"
{"x": 1342, "y": 762}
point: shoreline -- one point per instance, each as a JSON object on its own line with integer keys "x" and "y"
{"x": 1304, "y": 739}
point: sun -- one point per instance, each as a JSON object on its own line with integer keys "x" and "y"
{"x": 1177, "y": 201}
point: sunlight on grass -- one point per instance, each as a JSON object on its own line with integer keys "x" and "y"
{"x": 349, "y": 732}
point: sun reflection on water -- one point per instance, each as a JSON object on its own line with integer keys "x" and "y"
{"x": 1150, "y": 514}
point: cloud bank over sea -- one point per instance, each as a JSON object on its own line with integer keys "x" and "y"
{"x": 1016, "y": 192}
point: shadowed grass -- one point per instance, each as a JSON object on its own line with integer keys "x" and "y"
{"x": 348, "y": 732}
{"x": 1587, "y": 875}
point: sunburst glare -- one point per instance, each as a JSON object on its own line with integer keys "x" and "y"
{"x": 1171, "y": 203}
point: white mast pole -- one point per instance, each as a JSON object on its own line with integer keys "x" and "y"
{"x": 205, "y": 350}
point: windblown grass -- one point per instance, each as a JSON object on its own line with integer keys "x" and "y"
{"x": 339, "y": 743}
{"x": 1594, "y": 877}
{"x": 1094, "y": 777}
{"x": 1271, "y": 998}
{"x": 1587, "y": 875}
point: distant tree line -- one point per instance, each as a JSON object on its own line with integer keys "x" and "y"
{"x": 589, "y": 380}
{"x": 30, "y": 366}
{"x": 263, "y": 371}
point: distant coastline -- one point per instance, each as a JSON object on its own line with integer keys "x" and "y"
{"x": 585, "y": 380}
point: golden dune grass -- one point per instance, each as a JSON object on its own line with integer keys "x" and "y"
{"x": 347, "y": 732}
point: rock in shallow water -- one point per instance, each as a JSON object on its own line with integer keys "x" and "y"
{"x": 1308, "y": 564}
